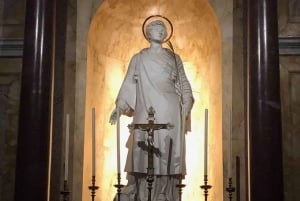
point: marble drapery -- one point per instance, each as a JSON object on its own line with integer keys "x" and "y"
{"x": 156, "y": 80}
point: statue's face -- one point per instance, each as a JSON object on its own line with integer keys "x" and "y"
{"x": 157, "y": 33}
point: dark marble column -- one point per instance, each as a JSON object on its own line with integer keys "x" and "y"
{"x": 264, "y": 102}
{"x": 32, "y": 167}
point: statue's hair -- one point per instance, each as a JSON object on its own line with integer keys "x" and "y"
{"x": 154, "y": 23}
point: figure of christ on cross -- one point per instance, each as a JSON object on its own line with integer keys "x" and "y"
{"x": 150, "y": 128}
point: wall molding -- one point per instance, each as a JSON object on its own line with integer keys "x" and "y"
{"x": 289, "y": 46}
{"x": 11, "y": 47}
{"x": 14, "y": 47}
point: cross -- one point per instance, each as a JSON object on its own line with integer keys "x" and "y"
{"x": 150, "y": 127}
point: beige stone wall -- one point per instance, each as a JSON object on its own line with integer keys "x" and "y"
{"x": 290, "y": 101}
{"x": 9, "y": 109}
{"x": 289, "y": 27}
{"x": 12, "y": 18}
{"x": 11, "y": 27}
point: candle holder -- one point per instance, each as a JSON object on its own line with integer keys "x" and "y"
{"x": 119, "y": 186}
{"x": 206, "y": 187}
{"x": 65, "y": 192}
{"x": 93, "y": 188}
{"x": 230, "y": 189}
{"x": 180, "y": 186}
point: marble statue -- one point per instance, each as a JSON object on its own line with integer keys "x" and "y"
{"x": 155, "y": 78}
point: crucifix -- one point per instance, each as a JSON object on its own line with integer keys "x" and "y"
{"x": 150, "y": 127}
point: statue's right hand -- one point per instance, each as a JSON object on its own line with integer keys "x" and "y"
{"x": 114, "y": 116}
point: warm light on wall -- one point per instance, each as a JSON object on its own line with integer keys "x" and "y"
{"x": 112, "y": 42}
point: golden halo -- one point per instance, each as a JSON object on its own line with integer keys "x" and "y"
{"x": 163, "y": 19}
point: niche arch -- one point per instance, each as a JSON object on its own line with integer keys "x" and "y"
{"x": 114, "y": 36}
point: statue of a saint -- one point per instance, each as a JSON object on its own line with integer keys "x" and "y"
{"x": 155, "y": 78}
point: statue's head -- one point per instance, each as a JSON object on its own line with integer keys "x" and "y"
{"x": 156, "y": 26}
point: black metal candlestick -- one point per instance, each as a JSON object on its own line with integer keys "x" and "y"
{"x": 119, "y": 186}
{"x": 66, "y": 191}
{"x": 180, "y": 186}
{"x": 230, "y": 189}
{"x": 205, "y": 187}
{"x": 150, "y": 169}
{"x": 93, "y": 188}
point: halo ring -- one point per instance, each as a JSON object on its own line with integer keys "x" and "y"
{"x": 159, "y": 16}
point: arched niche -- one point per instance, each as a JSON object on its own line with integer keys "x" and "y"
{"x": 114, "y": 36}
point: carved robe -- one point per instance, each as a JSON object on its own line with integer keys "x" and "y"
{"x": 153, "y": 80}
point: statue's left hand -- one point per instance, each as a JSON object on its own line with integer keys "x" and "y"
{"x": 114, "y": 116}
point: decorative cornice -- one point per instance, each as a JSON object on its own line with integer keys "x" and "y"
{"x": 14, "y": 47}
{"x": 289, "y": 46}
{"x": 11, "y": 47}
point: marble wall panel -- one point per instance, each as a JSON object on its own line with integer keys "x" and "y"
{"x": 290, "y": 101}
{"x": 9, "y": 105}
{"x": 239, "y": 139}
{"x": 12, "y": 14}
{"x": 288, "y": 18}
